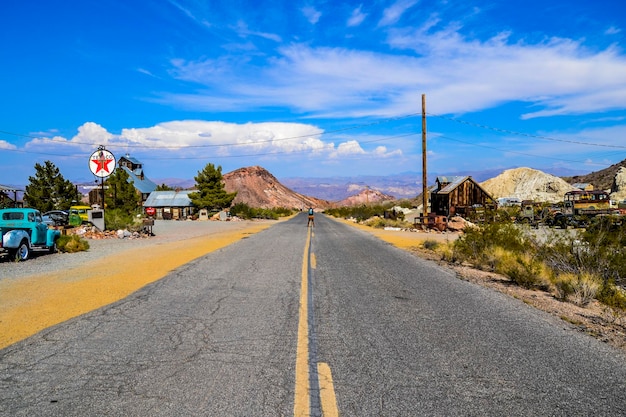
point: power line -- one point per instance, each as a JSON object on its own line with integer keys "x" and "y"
{"x": 529, "y": 135}
{"x": 516, "y": 152}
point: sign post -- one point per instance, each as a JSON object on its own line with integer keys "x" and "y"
{"x": 101, "y": 164}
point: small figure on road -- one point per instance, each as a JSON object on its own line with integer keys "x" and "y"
{"x": 311, "y": 217}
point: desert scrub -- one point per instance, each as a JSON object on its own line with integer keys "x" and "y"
{"x": 580, "y": 288}
{"x": 612, "y": 295}
{"x": 527, "y": 272}
{"x": 244, "y": 211}
{"x": 564, "y": 285}
{"x": 445, "y": 250}
{"x": 430, "y": 245}
{"x": 72, "y": 243}
{"x": 379, "y": 223}
{"x": 500, "y": 260}
{"x": 477, "y": 243}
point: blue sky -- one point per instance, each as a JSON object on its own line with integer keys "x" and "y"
{"x": 312, "y": 88}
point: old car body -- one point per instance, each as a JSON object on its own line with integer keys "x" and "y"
{"x": 23, "y": 230}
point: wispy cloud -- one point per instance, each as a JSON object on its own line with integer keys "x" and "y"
{"x": 243, "y": 31}
{"x": 559, "y": 76}
{"x": 393, "y": 13}
{"x": 312, "y": 15}
{"x": 357, "y": 17}
{"x": 612, "y": 31}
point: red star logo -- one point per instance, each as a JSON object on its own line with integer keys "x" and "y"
{"x": 102, "y": 163}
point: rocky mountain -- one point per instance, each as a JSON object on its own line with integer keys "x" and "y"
{"x": 404, "y": 185}
{"x": 527, "y": 184}
{"x": 366, "y": 196}
{"x": 601, "y": 180}
{"x": 256, "y": 187}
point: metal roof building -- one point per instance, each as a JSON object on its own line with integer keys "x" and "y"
{"x": 170, "y": 204}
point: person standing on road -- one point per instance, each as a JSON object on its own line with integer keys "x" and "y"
{"x": 311, "y": 217}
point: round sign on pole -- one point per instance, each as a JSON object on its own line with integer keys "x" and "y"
{"x": 102, "y": 163}
{"x": 150, "y": 211}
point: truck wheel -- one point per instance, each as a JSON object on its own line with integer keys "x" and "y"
{"x": 23, "y": 251}
{"x": 53, "y": 248}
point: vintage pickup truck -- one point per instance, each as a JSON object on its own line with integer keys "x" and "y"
{"x": 23, "y": 230}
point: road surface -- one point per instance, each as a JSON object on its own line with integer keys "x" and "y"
{"x": 297, "y": 321}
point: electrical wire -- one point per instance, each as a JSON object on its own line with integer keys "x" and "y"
{"x": 529, "y": 135}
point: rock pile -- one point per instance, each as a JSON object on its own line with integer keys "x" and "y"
{"x": 90, "y": 232}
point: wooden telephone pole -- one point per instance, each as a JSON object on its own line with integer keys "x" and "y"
{"x": 424, "y": 176}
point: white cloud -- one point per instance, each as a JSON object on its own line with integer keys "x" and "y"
{"x": 612, "y": 30}
{"x": 394, "y": 12}
{"x": 6, "y": 145}
{"x": 557, "y": 76}
{"x": 311, "y": 14}
{"x": 243, "y": 31}
{"x": 357, "y": 17}
{"x": 90, "y": 135}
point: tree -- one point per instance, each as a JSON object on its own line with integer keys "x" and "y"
{"x": 121, "y": 193}
{"x": 48, "y": 190}
{"x": 164, "y": 187}
{"x": 211, "y": 193}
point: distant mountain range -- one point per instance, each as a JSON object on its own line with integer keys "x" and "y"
{"x": 335, "y": 189}
{"x": 403, "y": 185}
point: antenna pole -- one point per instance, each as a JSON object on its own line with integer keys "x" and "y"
{"x": 424, "y": 176}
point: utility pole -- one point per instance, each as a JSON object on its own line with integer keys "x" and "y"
{"x": 424, "y": 176}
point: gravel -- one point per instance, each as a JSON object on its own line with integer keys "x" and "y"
{"x": 164, "y": 232}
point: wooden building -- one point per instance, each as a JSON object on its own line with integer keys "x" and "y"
{"x": 456, "y": 195}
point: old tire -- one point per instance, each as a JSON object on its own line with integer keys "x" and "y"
{"x": 22, "y": 252}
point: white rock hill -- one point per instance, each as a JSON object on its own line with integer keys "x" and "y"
{"x": 527, "y": 184}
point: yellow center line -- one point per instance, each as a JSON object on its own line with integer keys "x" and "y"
{"x": 302, "y": 396}
{"x": 327, "y": 391}
{"x": 302, "y": 401}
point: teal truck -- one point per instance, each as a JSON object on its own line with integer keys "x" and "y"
{"x": 22, "y": 231}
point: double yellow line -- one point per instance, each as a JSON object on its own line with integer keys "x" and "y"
{"x": 302, "y": 396}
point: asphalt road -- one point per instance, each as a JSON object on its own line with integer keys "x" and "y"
{"x": 385, "y": 334}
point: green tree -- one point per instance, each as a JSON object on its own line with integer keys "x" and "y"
{"x": 121, "y": 193}
{"x": 211, "y": 193}
{"x": 164, "y": 187}
{"x": 48, "y": 190}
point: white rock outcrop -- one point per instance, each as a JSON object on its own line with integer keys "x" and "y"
{"x": 618, "y": 190}
{"x": 527, "y": 184}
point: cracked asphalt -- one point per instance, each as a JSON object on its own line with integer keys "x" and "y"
{"x": 401, "y": 335}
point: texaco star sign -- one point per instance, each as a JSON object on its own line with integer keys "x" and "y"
{"x": 102, "y": 163}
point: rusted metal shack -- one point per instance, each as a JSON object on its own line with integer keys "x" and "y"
{"x": 457, "y": 195}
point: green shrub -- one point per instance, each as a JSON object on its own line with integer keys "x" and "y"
{"x": 564, "y": 286}
{"x": 380, "y": 222}
{"x": 430, "y": 244}
{"x": 612, "y": 296}
{"x": 477, "y": 242}
{"x": 244, "y": 211}
{"x": 116, "y": 219}
{"x": 72, "y": 243}
{"x": 526, "y": 271}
